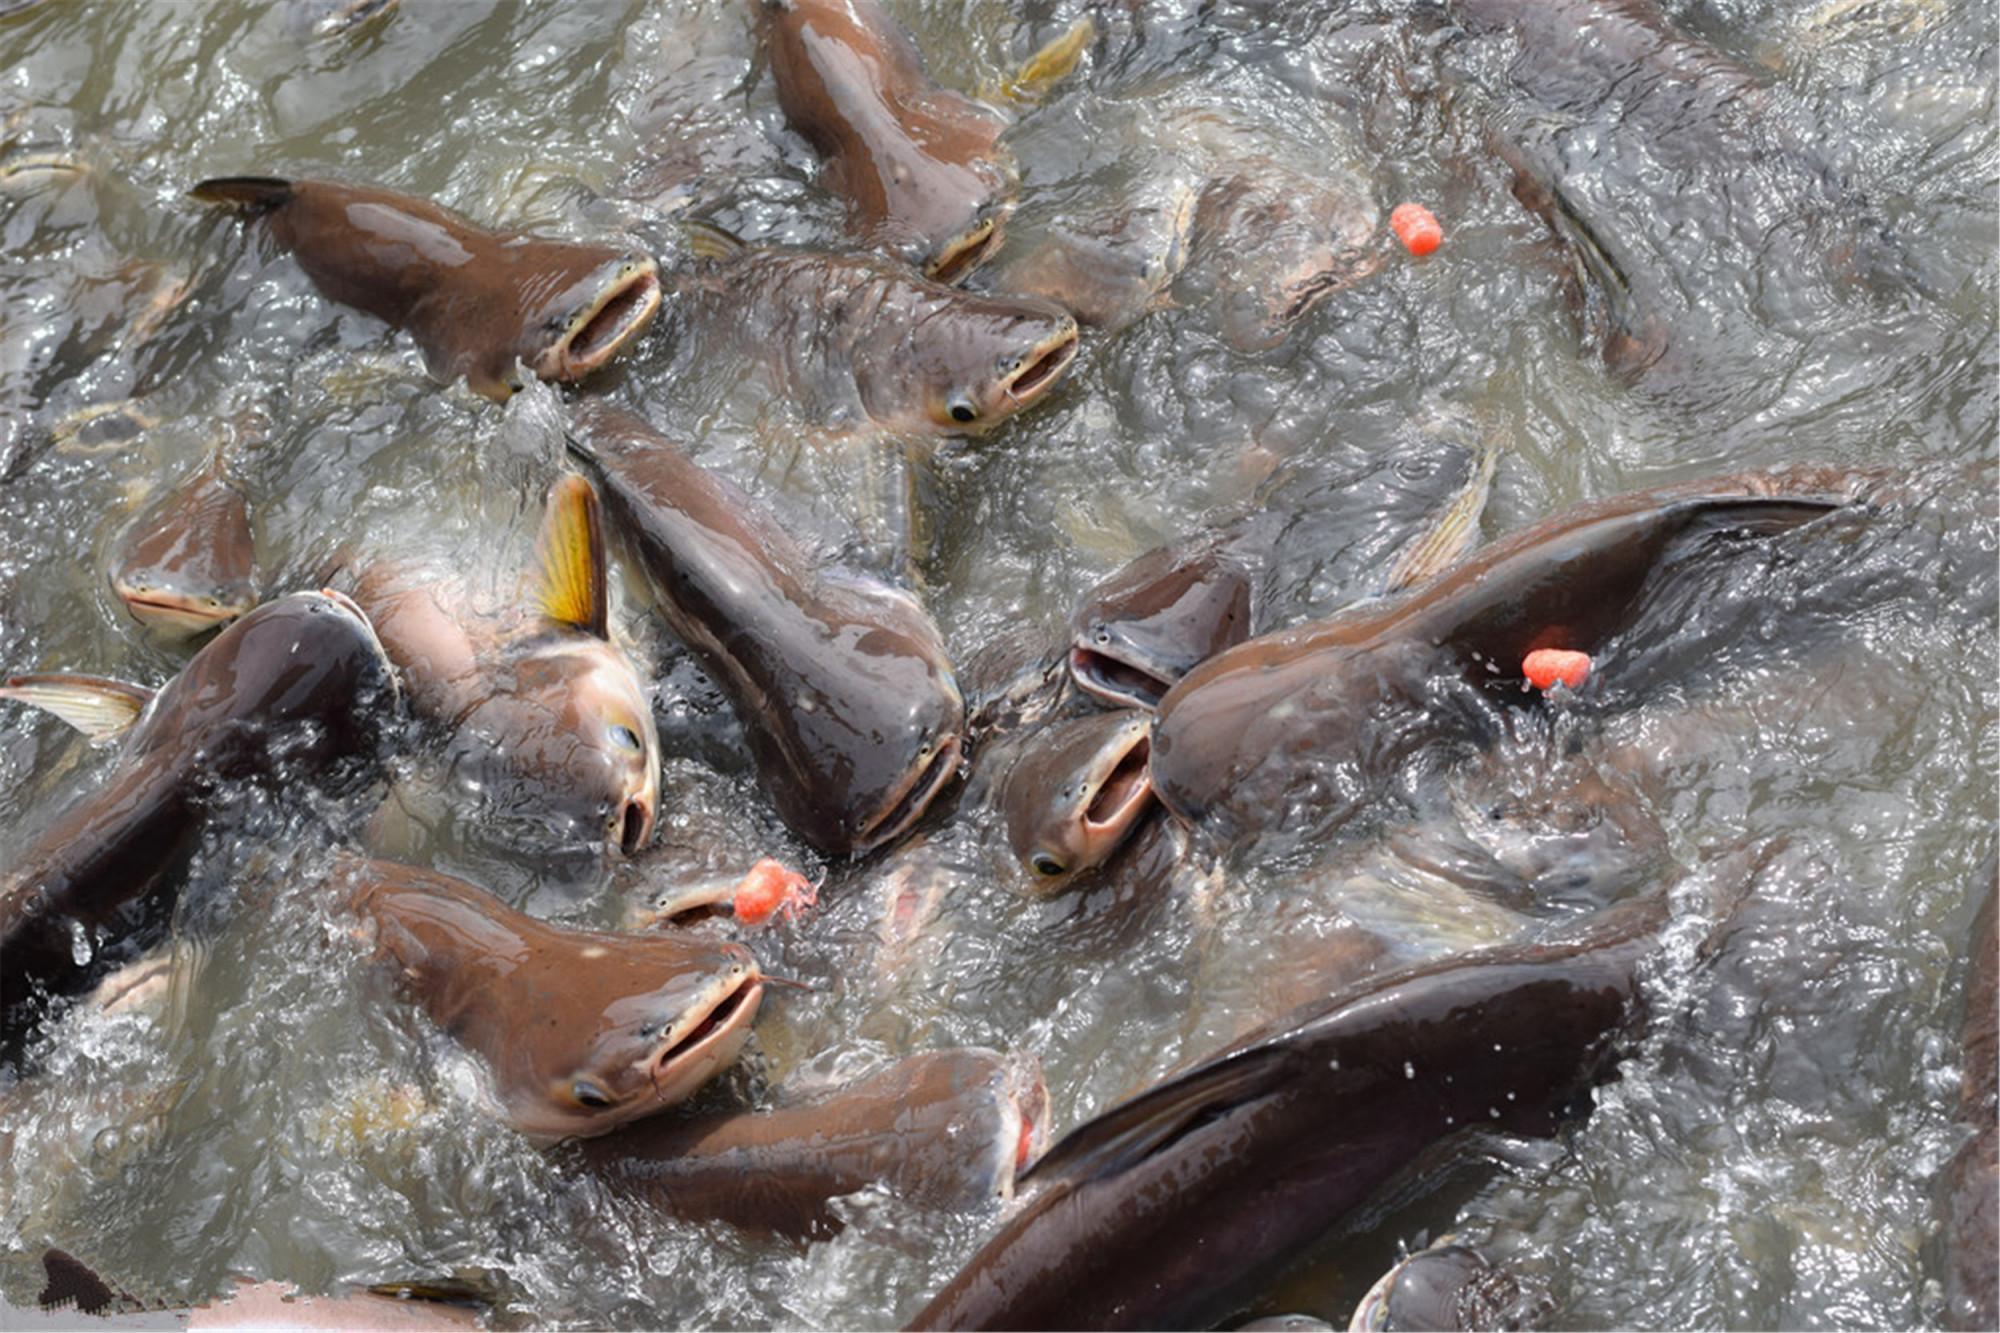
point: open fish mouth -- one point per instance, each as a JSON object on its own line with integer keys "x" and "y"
{"x": 1043, "y": 366}
{"x": 184, "y": 614}
{"x": 912, "y": 798}
{"x": 1116, "y": 680}
{"x": 708, "y": 1036}
{"x": 601, "y": 329}
{"x": 1123, "y": 788}
{"x": 633, "y": 827}
{"x": 968, "y": 250}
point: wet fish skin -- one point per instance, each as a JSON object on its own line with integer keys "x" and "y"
{"x": 188, "y": 565}
{"x": 920, "y": 166}
{"x": 476, "y": 301}
{"x": 1073, "y": 793}
{"x": 1448, "y": 1285}
{"x": 1182, "y": 1204}
{"x": 842, "y": 683}
{"x": 856, "y": 341}
{"x": 1235, "y": 740}
{"x": 581, "y": 1031}
{"x": 1140, "y": 630}
{"x": 1972, "y": 1181}
{"x": 944, "y": 1131}
{"x": 296, "y": 691}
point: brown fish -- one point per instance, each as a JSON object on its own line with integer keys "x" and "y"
{"x": 1111, "y": 267}
{"x": 580, "y": 1030}
{"x": 841, "y": 682}
{"x": 546, "y": 713}
{"x": 1159, "y": 617}
{"x": 920, "y": 166}
{"x": 186, "y": 565}
{"x": 855, "y": 341}
{"x": 944, "y": 1131}
{"x": 476, "y": 301}
{"x": 1074, "y": 792}
{"x": 1253, "y": 731}
{"x": 299, "y": 690}
{"x": 1171, "y": 1210}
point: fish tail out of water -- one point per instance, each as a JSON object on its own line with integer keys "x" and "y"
{"x": 1046, "y": 67}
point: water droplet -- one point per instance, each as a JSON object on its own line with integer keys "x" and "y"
{"x": 1409, "y": 1070}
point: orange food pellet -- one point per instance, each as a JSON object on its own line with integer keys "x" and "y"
{"x": 1545, "y": 666}
{"x": 769, "y": 889}
{"x": 1417, "y": 228}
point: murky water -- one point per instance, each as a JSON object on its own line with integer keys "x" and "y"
{"x": 1770, "y": 1156}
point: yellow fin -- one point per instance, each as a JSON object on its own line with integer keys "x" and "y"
{"x": 99, "y": 708}
{"x": 574, "y": 589}
{"x": 1050, "y": 65}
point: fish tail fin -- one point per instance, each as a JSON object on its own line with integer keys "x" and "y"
{"x": 100, "y": 708}
{"x": 1449, "y": 537}
{"x": 1048, "y": 66}
{"x": 252, "y": 194}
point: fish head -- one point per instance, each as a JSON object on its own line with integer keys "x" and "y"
{"x": 624, "y": 1043}
{"x": 567, "y": 734}
{"x": 1075, "y": 795}
{"x": 160, "y": 599}
{"x": 969, "y": 361}
{"x": 968, "y": 247}
{"x": 1293, "y": 243}
{"x": 186, "y": 566}
{"x": 297, "y": 683}
{"x": 583, "y": 306}
{"x": 1152, "y": 622}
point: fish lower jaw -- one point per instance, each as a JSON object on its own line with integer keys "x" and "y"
{"x": 909, "y": 801}
{"x": 619, "y": 314}
{"x": 708, "y": 1041}
{"x": 1042, "y": 367}
{"x": 181, "y": 617}
{"x": 966, "y": 251}
{"x": 1115, "y": 680}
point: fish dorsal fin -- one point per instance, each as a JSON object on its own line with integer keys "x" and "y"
{"x": 1136, "y": 1129}
{"x": 574, "y": 584}
{"x": 101, "y": 709}
{"x": 253, "y": 194}
{"x": 709, "y": 241}
{"x": 1450, "y": 536}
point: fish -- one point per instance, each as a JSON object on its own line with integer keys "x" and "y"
{"x": 476, "y": 301}
{"x": 580, "y": 1031}
{"x": 920, "y": 166}
{"x": 1270, "y": 243}
{"x": 1261, "y": 728}
{"x": 855, "y": 341}
{"x": 944, "y": 1131}
{"x": 298, "y": 692}
{"x": 544, "y": 712}
{"x": 1181, "y": 1205}
{"x": 1073, "y": 792}
{"x": 1448, "y": 1285}
{"x": 841, "y": 682}
{"x": 187, "y": 564}
{"x": 1972, "y": 1180}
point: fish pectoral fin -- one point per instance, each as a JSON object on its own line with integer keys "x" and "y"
{"x": 709, "y": 241}
{"x": 1050, "y": 65}
{"x": 573, "y": 588}
{"x": 252, "y": 194}
{"x": 1137, "y": 1129}
{"x": 1449, "y": 537}
{"x": 100, "y": 708}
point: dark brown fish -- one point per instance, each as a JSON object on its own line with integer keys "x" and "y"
{"x": 1174, "y": 1209}
{"x": 841, "y": 682}
{"x": 186, "y": 566}
{"x": 476, "y": 301}
{"x": 545, "y": 712}
{"x": 920, "y": 166}
{"x": 1159, "y": 617}
{"x": 1255, "y": 730}
{"x": 943, "y": 1131}
{"x": 855, "y": 341}
{"x": 1972, "y": 1181}
{"x": 581, "y": 1031}
{"x": 299, "y": 690}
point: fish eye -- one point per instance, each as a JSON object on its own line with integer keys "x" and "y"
{"x": 1047, "y": 865}
{"x": 589, "y": 1095}
{"x": 624, "y": 737}
{"x": 961, "y": 408}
